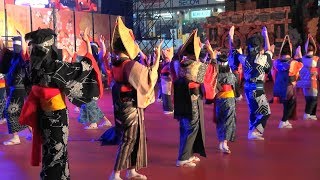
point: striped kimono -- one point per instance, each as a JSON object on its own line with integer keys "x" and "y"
{"x": 132, "y": 92}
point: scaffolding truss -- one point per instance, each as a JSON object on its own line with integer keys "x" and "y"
{"x": 152, "y": 21}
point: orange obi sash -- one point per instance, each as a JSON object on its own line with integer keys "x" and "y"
{"x": 54, "y": 104}
{"x": 2, "y": 83}
{"x": 226, "y": 92}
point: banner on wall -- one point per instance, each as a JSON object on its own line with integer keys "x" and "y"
{"x": 67, "y": 24}
{"x": 83, "y": 20}
{"x": 2, "y": 20}
{"x": 100, "y": 28}
{"x": 178, "y": 3}
{"x": 18, "y": 17}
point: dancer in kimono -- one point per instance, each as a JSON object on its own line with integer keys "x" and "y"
{"x": 45, "y": 108}
{"x": 3, "y": 120}
{"x": 188, "y": 108}
{"x": 286, "y": 75}
{"x": 166, "y": 81}
{"x": 309, "y": 78}
{"x": 225, "y": 107}
{"x": 13, "y": 64}
{"x": 233, "y": 59}
{"x": 256, "y": 65}
{"x": 90, "y": 113}
{"x": 132, "y": 92}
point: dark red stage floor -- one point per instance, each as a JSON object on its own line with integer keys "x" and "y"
{"x": 285, "y": 154}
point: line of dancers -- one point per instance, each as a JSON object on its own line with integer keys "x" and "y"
{"x": 192, "y": 76}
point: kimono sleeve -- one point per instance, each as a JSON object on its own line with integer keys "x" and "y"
{"x": 143, "y": 79}
{"x": 5, "y": 60}
{"x": 269, "y": 63}
{"x": 80, "y": 81}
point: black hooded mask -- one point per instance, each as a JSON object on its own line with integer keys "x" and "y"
{"x": 43, "y": 53}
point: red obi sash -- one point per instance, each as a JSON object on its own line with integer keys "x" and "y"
{"x": 47, "y": 99}
{"x": 193, "y": 85}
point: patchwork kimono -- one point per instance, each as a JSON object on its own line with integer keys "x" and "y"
{"x": 309, "y": 77}
{"x": 166, "y": 86}
{"x": 225, "y": 107}
{"x": 255, "y": 72}
{"x": 14, "y": 66}
{"x": 46, "y": 112}
{"x": 188, "y": 108}
{"x": 132, "y": 92}
{"x": 286, "y": 75}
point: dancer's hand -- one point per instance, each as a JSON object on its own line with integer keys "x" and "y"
{"x": 85, "y": 35}
{"x": 102, "y": 39}
{"x": 231, "y": 31}
{"x": 240, "y": 51}
{"x": 264, "y": 31}
{"x": 157, "y": 49}
{"x": 213, "y": 53}
{"x": 272, "y": 47}
{"x": 168, "y": 53}
{"x": 298, "y": 53}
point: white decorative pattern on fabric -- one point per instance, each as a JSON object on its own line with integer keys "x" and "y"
{"x": 49, "y": 42}
{"x": 17, "y": 43}
{"x": 261, "y": 59}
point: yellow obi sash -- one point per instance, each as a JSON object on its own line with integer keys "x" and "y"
{"x": 55, "y": 103}
{"x": 225, "y": 94}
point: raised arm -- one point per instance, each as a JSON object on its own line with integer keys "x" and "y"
{"x": 103, "y": 49}
{"x": 231, "y": 34}
{"x": 264, "y": 33}
{"x": 85, "y": 38}
{"x": 157, "y": 52}
{"x": 298, "y": 54}
{"x": 212, "y": 53}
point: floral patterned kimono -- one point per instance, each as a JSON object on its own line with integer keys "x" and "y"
{"x": 46, "y": 112}
{"x": 254, "y": 74}
{"x": 188, "y": 109}
{"x": 14, "y": 66}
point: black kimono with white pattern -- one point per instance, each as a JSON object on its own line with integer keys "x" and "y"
{"x": 79, "y": 83}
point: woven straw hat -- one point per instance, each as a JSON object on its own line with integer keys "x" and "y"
{"x": 127, "y": 37}
{"x": 168, "y": 53}
{"x": 310, "y": 40}
{"x": 286, "y": 40}
{"x": 194, "y": 41}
